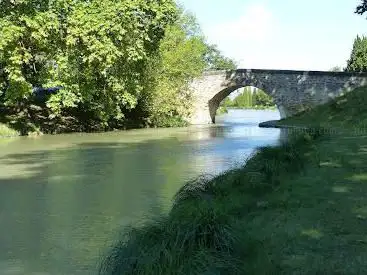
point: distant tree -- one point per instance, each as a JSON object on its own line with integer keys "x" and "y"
{"x": 227, "y": 102}
{"x": 249, "y": 95}
{"x": 243, "y": 99}
{"x": 262, "y": 99}
{"x": 336, "y": 69}
{"x": 240, "y": 100}
{"x": 358, "y": 57}
{"x": 216, "y": 61}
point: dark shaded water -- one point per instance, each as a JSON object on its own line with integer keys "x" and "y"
{"x": 64, "y": 198}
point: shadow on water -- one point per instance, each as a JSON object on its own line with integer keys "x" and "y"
{"x": 57, "y": 211}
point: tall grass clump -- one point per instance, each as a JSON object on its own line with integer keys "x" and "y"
{"x": 202, "y": 187}
{"x": 195, "y": 238}
{"x": 265, "y": 171}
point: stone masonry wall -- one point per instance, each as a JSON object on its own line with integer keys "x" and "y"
{"x": 292, "y": 91}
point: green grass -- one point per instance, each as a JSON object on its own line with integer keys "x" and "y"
{"x": 6, "y": 131}
{"x": 299, "y": 208}
{"x": 346, "y": 113}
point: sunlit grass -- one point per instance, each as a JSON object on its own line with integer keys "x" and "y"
{"x": 195, "y": 238}
{"x": 312, "y": 233}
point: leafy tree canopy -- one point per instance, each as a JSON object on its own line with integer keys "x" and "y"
{"x": 96, "y": 50}
{"x": 117, "y": 60}
{"x": 362, "y": 8}
{"x": 216, "y": 61}
{"x": 249, "y": 99}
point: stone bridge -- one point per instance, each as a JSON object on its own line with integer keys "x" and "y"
{"x": 292, "y": 91}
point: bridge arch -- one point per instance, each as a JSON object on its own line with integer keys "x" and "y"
{"x": 292, "y": 91}
{"x": 214, "y": 102}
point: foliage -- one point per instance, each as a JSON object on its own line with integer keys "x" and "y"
{"x": 180, "y": 59}
{"x": 95, "y": 50}
{"x": 358, "y": 57}
{"x": 336, "y": 69}
{"x": 262, "y": 99}
{"x": 244, "y": 100}
{"x": 249, "y": 99}
{"x": 6, "y": 131}
{"x": 221, "y": 110}
{"x": 362, "y": 8}
{"x": 216, "y": 61}
{"x": 227, "y": 102}
{"x": 119, "y": 62}
{"x": 183, "y": 55}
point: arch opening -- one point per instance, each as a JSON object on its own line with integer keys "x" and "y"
{"x": 242, "y": 97}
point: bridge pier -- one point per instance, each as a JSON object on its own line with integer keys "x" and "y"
{"x": 282, "y": 111}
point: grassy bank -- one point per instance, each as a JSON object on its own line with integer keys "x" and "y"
{"x": 208, "y": 228}
{"x": 299, "y": 208}
{"x": 346, "y": 113}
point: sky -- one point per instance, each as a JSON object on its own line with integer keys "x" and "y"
{"x": 281, "y": 34}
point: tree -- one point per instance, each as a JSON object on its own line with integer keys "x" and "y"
{"x": 216, "y": 61}
{"x": 336, "y": 69}
{"x": 262, "y": 99}
{"x": 358, "y": 58}
{"x": 95, "y": 50}
{"x": 117, "y": 61}
{"x": 362, "y": 8}
{"x": 181, "y": 57}
{"x": 248, "y": 90}
{"x": 241, "y": 100}
{"x": 227, "y": 102}
{"x": 244, "y": 100}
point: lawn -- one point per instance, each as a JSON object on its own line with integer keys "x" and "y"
{"x": 321, "y": 214}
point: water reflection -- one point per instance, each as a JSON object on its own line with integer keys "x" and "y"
{"x": 64, "y": 198}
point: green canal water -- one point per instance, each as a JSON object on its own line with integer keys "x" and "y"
{"x": 65, "y": 198}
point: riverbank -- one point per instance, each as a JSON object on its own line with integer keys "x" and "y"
{"x": 296, "y": 208}
{"x": 256, "y": 108}
{"x": 277, "y": 124}
{"x": 14, "y": 125}
{"x": 205, "y": 227}
{"x": 224, "y": 110}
